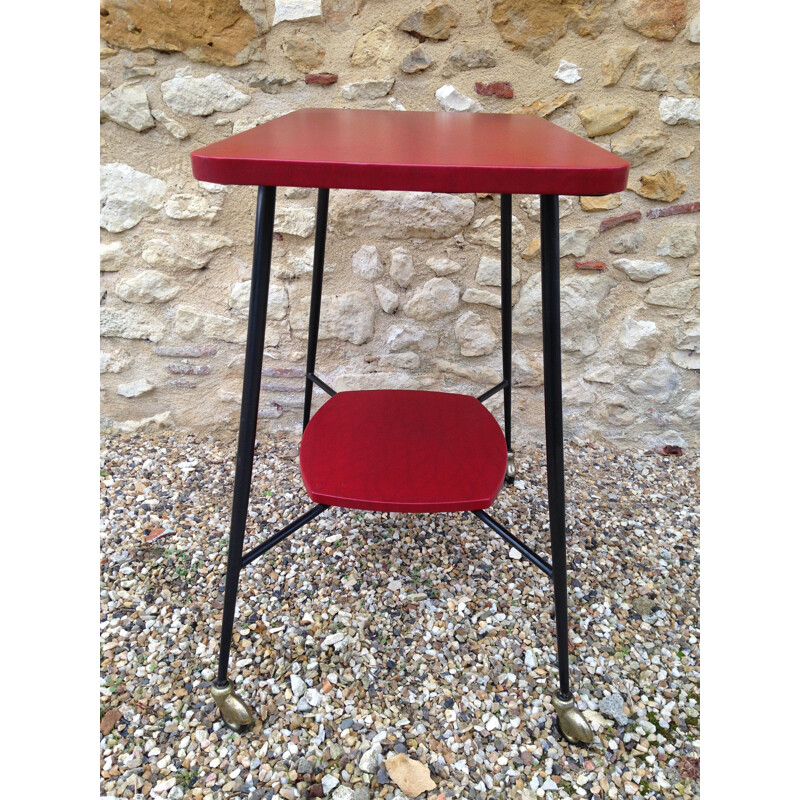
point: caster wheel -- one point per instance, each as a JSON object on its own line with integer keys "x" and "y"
{"x": 511, "y": 468}
{"x": 570, "y": 723}
{"x": 236, "y": 713}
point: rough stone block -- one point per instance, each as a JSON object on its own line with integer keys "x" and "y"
{"x": 136, "y": 388}
{"x": 295, "y": 220}
{"x": 416, "y": 61}
{"x": 602, "y": 120}
{"x": 349, "y": 316}
{"x": 375, "y": 47}
{"x": 112, "y": 257}
{"x": 297, "y": 10}
{"x": 485, "y": 232}
{"x": 463, "y": 59}
{"x": 433, "y": 21}
{"x": 637, "y": 147}
{"x": 199, "y": 97}
{"x": 367, "y": 263}
{"x": 575, "y": 242}
{"x": 680, "y": 110}
{"x": 603, "y": 203}
{"x": 400, "y": 215}
{"x": 174, "y": 127}
{"x": 673, "y": 295}
{"x": 169, "y": 351}
{"x": 129, "y": 107}
{"x": 127, "y": 195}
{"x": 190, "y": 206}
{"x": 642, "y": 271}
{"x": 616, "y": 62}
{"x": 191, "y": 323}
{"x": 402, "y": 267}
{"x": 649, "y": 78}
{"x": 442, "y": 266}
{"x": 130, "y": 324}
{"x": 663, "y": 185}
{"x": 450, "y": 99}
{"x": 436, "y": 298}
{"x": 638, "y": 341}
{"x": 149, "y": 286}
{"x": 387, "y": 298}
{"x": 410, "y": 335}
{"x": 681, "y": 241}
{"x": 627, "y": 243}
{"x": 474, "y": 335}
{"x": 369, "y": 89}
{"x": 481, "y": 297}
{"x": 488, "y": 273}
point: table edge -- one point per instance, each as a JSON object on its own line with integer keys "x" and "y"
{"x": 586, "y": 181}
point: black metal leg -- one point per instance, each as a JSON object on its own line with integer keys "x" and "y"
{"x": 283, "y": 533}
{"x": 316, "y": 297}
{"x": 254, "y": 354}
{"x": 572, "y": 723}
{"x": 551, "y": 323}
{"x": 520, "y": 546}
{"x": 505, "y": 317}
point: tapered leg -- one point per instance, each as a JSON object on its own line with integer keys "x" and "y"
{"x": 316, "y": 297}
{"x": 573, "y": 725}
{"x": 235, "y": 711}
{"x": 505, "y": 322}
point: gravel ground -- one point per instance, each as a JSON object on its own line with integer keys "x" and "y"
{"x": 371, "y": 633}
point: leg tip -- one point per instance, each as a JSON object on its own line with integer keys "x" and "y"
{"x": 573, "y": 725}
{"x": 236, "y": 713}
{"x": 511, "y": 468}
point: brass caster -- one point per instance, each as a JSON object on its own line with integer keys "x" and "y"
{"x": 235, "y": 712}
{"x": 511, "y": 469}
{"x": 574, "y": 728}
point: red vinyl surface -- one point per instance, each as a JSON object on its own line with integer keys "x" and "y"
{"x": 425, "y": 151}
{"x": 400, "y": 450}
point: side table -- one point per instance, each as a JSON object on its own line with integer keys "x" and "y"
{"x": 401, "y": 450}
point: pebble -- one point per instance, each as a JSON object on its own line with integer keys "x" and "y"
{"x": 370, "y": 760}
{"x": 313, "y": 697}
{"x": 612, "y": 707}
{"x": 304, "y": 766}
{"x": 336, "y": 751}
{"x": 298, "y": 686}
{"x": 335, "y": 640}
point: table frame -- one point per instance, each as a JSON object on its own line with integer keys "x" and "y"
{"x": 236, "y": 713}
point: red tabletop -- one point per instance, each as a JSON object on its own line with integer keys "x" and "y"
{"x": 424, "y": 151}
{"x": 403, "y": 450}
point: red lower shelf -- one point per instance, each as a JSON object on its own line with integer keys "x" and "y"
{"x": 398, "y": 450}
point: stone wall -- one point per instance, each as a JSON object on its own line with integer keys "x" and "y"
{"x": 411, "y": 297}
